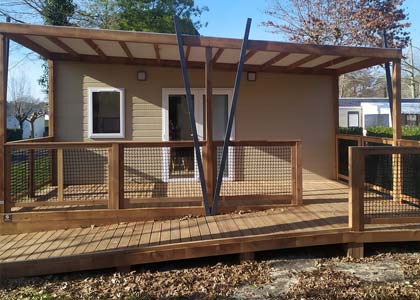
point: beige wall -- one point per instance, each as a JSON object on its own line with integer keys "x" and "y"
{"x": 276, "y": 106}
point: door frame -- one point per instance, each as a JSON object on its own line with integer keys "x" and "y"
{"x": 198, "y": 93}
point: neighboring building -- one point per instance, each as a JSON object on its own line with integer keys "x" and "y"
{"x": 366, "y": 112}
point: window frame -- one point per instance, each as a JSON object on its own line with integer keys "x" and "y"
{"x": 348, "y": 119}
{"x": 93, "y": 135}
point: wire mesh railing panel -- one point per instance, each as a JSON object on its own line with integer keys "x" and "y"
{"x": 343, "y": 155}
{"x": 30, "y": 174}
{"x": 160, "y": 172}
{"x": 19, "y": 175}
{"x": 51, "y": 177}
{"x": 257, "y": 170}
{"x": 85, "y": 174}
{"x": 392, "y": 185}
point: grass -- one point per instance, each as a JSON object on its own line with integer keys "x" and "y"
{"x": 20, "y": 174}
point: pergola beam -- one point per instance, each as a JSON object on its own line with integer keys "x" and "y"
{"x": 126, "y": 50}
{"x": 63, "y": 46}
{"x": 367, "y": 63}
{"x": 331, "y": 63}
{"x": 31, "y": 45}
{"x": 95, "y": 48}
{"x": 249, "y": 55}
{"x": 157, "y": 52}
{"x": 217, "y": 55}
{"x": 273, "y": 60}
{"x": 191, "y": 64}
{"x": 303, "y": 61}
{"x": 197, "y": 41}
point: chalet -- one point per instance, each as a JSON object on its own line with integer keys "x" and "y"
{"x": 147, "y": 128}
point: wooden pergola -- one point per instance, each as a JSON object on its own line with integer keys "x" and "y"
{"x": 209, "y": 53}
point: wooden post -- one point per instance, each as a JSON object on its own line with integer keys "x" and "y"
{"x": 356, "y": 194}
{"x": 51, "y": 98}
{"x": 7, "y": 180}
{"x": 355, "y": 250}
{"x": 297, "y": 174}
{"x": 335, "y": 106}
{"x": 3, "y": 122}
{"x": 31, "y": 173}
{"x": 397, "y": 178}
{"x": 209, "y": 151}
{"x": 116, "y": 177}
{"x": 60, "y": 175}
{"x": 396, "y": 102}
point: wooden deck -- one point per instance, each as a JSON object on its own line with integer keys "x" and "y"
{"x": 322, "y": 220}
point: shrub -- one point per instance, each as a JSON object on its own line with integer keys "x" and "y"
{"x": 351, "y": 130}
{"x": 14, "y": 134}
{"x": 408, "y": 132}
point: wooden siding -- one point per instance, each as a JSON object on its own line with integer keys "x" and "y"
{"x": 276, "y": 106}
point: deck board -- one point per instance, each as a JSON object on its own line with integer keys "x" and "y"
{"x": 323, "y": 214}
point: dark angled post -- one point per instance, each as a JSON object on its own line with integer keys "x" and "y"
{"x": 231, "y": 117}
{"x": 191, "y": 114}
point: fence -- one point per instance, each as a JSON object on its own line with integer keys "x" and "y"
{"x": 56, "y": 176}
{"x": 344, "y": 141}
{"x": 261, "y": 173}
{"x": 384, "y": 185}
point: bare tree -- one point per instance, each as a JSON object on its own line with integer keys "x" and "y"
{"x": 339, "y": 22}
{"x": 25, "y": 107}
{"x": 20, "y": 99}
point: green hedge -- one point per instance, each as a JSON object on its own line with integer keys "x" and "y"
{"x": 408, "y": 132}
{"x": 351, "y": 130}
{"x": 14, "y": 134}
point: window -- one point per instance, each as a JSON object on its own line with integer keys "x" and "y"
{"x": 106, "y": 113}
{"x": 410, "y": 120}
{"x": 376, "y": 120}
{"x": 353, "y": 119}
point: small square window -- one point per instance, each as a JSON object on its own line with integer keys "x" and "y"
{"x": 106, "y": 113}
{"x": 353, "y": 119}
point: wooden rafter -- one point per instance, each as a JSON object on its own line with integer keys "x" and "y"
{"x": 176, "y": 64}
{"x": 126, "y": 50}
{"x": 63, "y": 45}
{"x": 157, "y": 52}
{"x": 250, "y": 54}
{"x": 28, "y": 43}
{"x": 302, "y": 61}
{"x": 331, "y": 63}
{"x": 361, "y": 65}
{"x": 273, "y": 60}
{"x": 95, "y": 47}
{"x": 217, "y": 55}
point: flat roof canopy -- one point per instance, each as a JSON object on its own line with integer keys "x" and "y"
{"x": 157, "y": 49}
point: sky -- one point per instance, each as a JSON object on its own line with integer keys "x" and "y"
{"x": 225, "y": 18}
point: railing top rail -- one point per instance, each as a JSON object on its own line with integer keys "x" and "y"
{"x": 134, "y": 144}
{"x": 260, "y": 143}
{"x": 34, "y": 140}
{"x": 107, "y": 144}
{"x": 367, "y": 150}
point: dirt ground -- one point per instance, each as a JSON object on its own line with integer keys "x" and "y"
{"x": 388, "y": 272}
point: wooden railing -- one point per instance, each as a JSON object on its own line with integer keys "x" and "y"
{"x": 120, "y": 175}
{"x": 384, "y": 185}
{"x": 344, "y": 141}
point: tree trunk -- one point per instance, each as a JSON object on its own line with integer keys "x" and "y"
{"x": 32, "y": 129}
